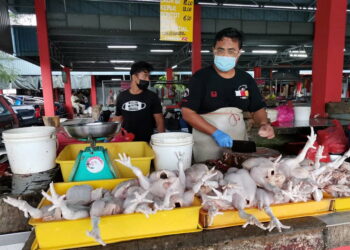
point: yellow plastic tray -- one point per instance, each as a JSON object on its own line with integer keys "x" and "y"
{"x": 70, "y": 234}
{"x": 231, "y": 218}
{"x": 341, "y": 204}
{"x": 140, "y": 152}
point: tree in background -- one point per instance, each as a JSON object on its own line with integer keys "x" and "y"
{"x": 7, "y": 73}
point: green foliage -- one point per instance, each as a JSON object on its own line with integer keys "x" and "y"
{"x": 7, "y": 74}
{"x": 162, "y": 78}
{"x": 179, "y": 87}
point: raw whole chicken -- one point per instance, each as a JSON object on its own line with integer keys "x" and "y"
{"x": 261, "y": 183}
{"x": 242, "y": 189}
{"x": 164, "y": 184}
{"x": 290, "y": 167}
{"x": 264, "y": 199}
{"x": 162, "y": 190}
{"x": 264, "y": 173}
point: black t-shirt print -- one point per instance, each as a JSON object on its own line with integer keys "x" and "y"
{"x": 137, "y": 112}
{"x": 208, "y": 91}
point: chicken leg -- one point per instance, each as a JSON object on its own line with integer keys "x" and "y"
{"x": 264, "y": 200}
{"x": 131, "y": 204}
{"x": 126, "y": 161}
{"x": 274, "y": 223}
{"x": 24, "y": 207}
{"x": 182, "y": 176}
{"x": 59, "y": 202}
{"x": 239, "y": 203}
{"x": 95, "y": 232}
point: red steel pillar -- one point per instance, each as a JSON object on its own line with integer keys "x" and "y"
{"x": 257, "y": 72}
{"x": 1, "y": 91}
{"x": 44, "y": 56}
{"x": 169, "y": 77}
{"x": 93, "y": 92}
{"x": 328, "y": 54}
{"x": 68, "y": 93}
{"x": 197, "y": 39}
{"x": 169, "y": 74}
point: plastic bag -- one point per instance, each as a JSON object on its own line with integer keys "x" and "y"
{"x": 63, "y": 139}
{"x": 333, "y": 138}
{"x": 285, "y": 113}
{"x": 123, "y": 136}
{"x": 311, "y": 153}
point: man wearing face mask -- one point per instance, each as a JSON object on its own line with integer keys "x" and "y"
{"x": 138, "y": 108}
{"x": 216, "y": 97}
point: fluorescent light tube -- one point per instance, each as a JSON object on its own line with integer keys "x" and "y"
{"x": 204, "y": 3}
{"x": 298, "y": 55}
{"x": 297, "y": 52}
{"x": 240, "y": 5}
{"x": 174, "y": 67}
{"x": 122, "y": 61}
{"x": 122, "y": 46}
{"x": 122, "y": 68}
{"x": 281, "y": 7}
{"x": 264, "y": 51}
{"x": 161, "y": 50}
{"x": 269, "y": 45}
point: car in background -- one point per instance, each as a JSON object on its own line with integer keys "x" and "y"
{"x": 8, "y": 118}
{"x": 27, "y": 114}
{"x": 30, "y": 110}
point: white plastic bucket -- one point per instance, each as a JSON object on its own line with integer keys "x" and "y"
{"x": 30, "y": 150}
{"x": 165, "y": 146}
{"x": 302, "y": 113}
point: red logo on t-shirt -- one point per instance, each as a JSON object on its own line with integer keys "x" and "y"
{"x": 213, "y": 94}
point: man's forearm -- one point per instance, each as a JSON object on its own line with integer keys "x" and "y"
{"x": 117, "y": 118}
{"x": 260, "y": 117}
{"x": 160, "y": 126}
{"x": 197, "y": 122}
{"x": 159, "y": 122}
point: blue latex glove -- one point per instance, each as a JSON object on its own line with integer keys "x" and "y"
{"x": 222, "y": 139}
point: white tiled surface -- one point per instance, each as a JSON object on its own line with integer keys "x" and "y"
{"x": 18, "y": 246}
{"x": 14, "y": 241}
{"x": 335, "y": 219}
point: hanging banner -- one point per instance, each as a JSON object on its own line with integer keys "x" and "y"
{"x": 176, "y": 20}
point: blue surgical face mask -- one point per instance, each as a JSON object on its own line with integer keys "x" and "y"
{"x": 225, "y": 63}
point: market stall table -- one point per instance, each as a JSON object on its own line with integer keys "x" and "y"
{"x": 317, "y": 123}
{"x": 292, "y": 132}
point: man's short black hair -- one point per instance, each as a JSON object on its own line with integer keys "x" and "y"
{"x": 232, "y": 33}
{"x": 140, "y": 66}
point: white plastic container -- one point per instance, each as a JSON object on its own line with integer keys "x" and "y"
{"x": 30, "y": 150}
{"x": 165, "y": 146}
{"x": 272, "y": 114}
{"x": 302, "y": 113}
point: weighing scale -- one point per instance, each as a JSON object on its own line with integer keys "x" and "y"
{"x": 92, "y": 163}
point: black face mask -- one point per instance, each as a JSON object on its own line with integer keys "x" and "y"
{"x": 143, "y": 84}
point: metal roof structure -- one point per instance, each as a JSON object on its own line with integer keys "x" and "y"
{"x": 81, "y": 30}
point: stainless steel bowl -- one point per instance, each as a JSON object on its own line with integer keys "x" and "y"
{"x": 93, "y": 130}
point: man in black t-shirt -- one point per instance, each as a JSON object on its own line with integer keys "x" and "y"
{"x": 138, "y": 108}
{"x": 216, "y": 97}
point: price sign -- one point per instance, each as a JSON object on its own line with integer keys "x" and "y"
{"x": 176, "y": 20}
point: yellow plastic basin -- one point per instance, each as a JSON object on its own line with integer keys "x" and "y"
{"x": 115, "y": 228}
{"x": 231, "y": 218}
{"x": 140, "y": 152}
